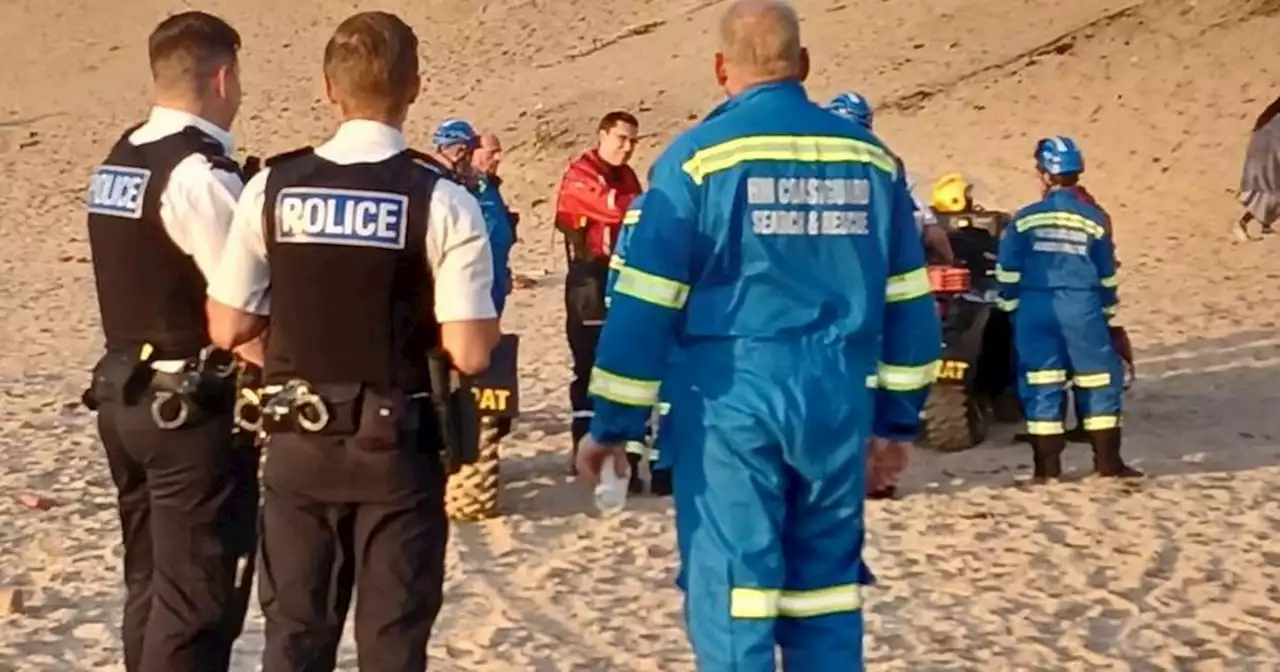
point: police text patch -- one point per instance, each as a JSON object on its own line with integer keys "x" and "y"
{"x": 118, "y": 191}
{"x": 341, "y": 217}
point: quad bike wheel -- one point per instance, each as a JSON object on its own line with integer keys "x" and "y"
{"x": 472, "y": 492}
{"x": 954, "y": 420}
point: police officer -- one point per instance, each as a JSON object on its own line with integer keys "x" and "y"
{"x": 159, "y": 209}
{"x": 371, "y": 260}
{"x": 777, "y": 246}
{"x": 1057, "y": 272}
{"x": 856, "y": 108}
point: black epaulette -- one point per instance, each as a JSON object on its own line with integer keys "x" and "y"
{"x": 252, "y": 165}
{"x": 433, "y": 164}
{"x": 225, "y": 163}
{"x": 286, "y": 156}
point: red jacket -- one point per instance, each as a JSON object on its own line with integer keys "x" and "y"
{"x": 593, "y": 198}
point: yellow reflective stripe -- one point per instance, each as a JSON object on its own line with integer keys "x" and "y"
{"x": 1067, "y": 220}
{"x": 664, "y": 408}
{"x": 1047, "y": 377}
{"x": 636, "y": 448}
{"x": 1045, "y": 428}
{"x": 873, "y": 381}
{"x": 651, "y": 288}
{"x": 1007, "y": 277}
{"x": 1093, "y": 380}
{"x": 630, "y": 217}
{"x": 812, "y": 603}
{"x": 907, "y": 286}
{"x": 616, "y": 262}
{"x": 1110, "y": 282}
{"x": 754, "y": 602}
{"x": 1110, "y": 311}
{"x": 801, "y": 148}
{"x": 906, "y": 378}
{"x": 1007, "y": 305}
{"x": 623, "y": 390}
{"x": 1094, "y": 423}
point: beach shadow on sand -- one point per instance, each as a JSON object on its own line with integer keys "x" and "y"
{"x": 1200, "y": 407}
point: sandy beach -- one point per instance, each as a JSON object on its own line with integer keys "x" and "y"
{"x": 1180, "y": 571}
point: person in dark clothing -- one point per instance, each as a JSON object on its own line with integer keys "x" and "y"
{"x": 159, "y": 209}
{"x": 366, "y": 260}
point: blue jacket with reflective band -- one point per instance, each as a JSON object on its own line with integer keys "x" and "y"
{"x": 773, "y": 221}
{"x": 619, "y": 258}
{"x": 1057, "y": 243}
{"x": 497, "y": 220}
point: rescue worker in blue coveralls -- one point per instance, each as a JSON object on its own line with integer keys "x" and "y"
{"x": 1057, "y": 272}
{"x": 659, "y": 467}
{"x": 777, "y": 253}
{"x": 856, "y": 108}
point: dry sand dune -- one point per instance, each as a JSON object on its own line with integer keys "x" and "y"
{"x": 1180, "y": 572}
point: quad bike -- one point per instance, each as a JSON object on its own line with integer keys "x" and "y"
{"x": 472, "y": 490}
{"x": 977, "y": 369}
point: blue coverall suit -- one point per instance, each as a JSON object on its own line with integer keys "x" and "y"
{"x": 1056, "y": 269}
{"x": 776, "y": 251}
{"x": 497, "y": 219}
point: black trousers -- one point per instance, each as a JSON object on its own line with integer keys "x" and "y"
{"x": 188, "y": 501}
{"x": 584, "y": 311}
{"x": 338, "y": 517}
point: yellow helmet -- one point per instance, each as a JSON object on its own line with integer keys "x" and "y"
{"x": 951, "y": 193}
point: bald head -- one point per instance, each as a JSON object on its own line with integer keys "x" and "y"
{"x": 760, "y": 41}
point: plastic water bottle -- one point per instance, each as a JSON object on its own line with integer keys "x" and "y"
{"x": 611, "y": 493}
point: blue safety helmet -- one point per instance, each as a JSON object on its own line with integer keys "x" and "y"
{"x": 1059, "y": 155}
{"x": 852, "y": 106}
{"x": 452, "y": 132}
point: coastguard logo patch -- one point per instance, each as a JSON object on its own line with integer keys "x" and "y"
{"x": 118, "y": 191}
{"x": 341, "y": 217}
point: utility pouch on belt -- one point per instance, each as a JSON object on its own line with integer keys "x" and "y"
{"x": 455, "y": 411}
{"x": 120, "y": 377}
{"x": 384, "y": 414}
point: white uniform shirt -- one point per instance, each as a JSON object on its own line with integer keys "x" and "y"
{"x": 457, "y": 245}
{"x": 199, "y": 200}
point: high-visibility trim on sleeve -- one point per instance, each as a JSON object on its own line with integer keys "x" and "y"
{"x": 1110, "y": 311}
{"x": 1066, "y": 220}
{"x": 1007, "y": 305}
{"x": 1110, "y": 282}
{"x": 907, "y": 286}
{"x": 764, "y": 603}
{"x": 616, "y": 262}
{"x": 906, "y": 378}
{"x": 623, "y": 390}
{"x": 821, "y": 602}
{"x": 652, "y": 288}
{"x": 630, "y": 217}
{"x": 1007, "y": 277}
{"x": 795, "y": 148}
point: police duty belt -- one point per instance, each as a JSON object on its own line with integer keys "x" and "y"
{"x": 275, "y": 407}
{"x": 177, "y": 396}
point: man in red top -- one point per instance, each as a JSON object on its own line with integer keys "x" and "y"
{"x": 593, "y": 197}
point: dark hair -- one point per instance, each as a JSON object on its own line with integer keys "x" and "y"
{"x": 372, "y": 60}
{"x": 1065, "y": 180}
{"x": 608, "y": 121}
{"x": 191, "y": 46}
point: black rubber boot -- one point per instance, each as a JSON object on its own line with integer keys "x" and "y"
{"x": 1106, "y": 455}
{"x": 1046, "y": 456}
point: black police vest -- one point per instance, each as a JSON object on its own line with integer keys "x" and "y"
{"x": 351, "y": 289}
{"x": 149, "y": 290}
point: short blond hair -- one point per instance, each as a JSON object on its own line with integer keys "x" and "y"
{"x": 762, "y": 37}
{"x": 371, "y": 62}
